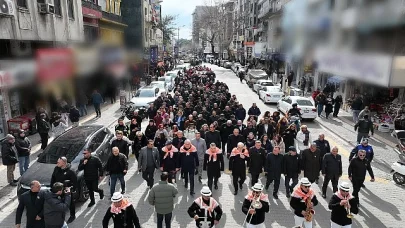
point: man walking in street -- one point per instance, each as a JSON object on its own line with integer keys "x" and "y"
{"x": 93, "y": 172}
{"x": 63, "y": 174}
{"x": 233, "y": 141}
{"x": 357, "y": 172}
{"x": 205, "y": 210}
{"x": 169, "y": 161}
{"x": 117, "y": 167}
{"x": 212, "y": 136}
{"x": 55, "y": 206}
{"x": 237, "y": 164}
{"x": 43, "y": 130}
{"x": 23, "y": 146}
{"x": 322, "y": 144}
{"x": 226, "y": 130}
{"x": 149, "y": 160}
{"x": 188, "y": 163}
{"x": 274, "y": 168}
{"x": 97, "y": 100}
{"x": 364, "y": 126}
{"x": 291, "y": 169}
{"x": 320, "y": 100}
{"x": 9, "y": 156}
{"x": 257, "y": 159}
{"x": 331, "y": 170}
{"x": 121, "y": 144}
{"x": 201, "y": 147}
{"x": 162, "y": 196}
{"x": 214, "y": 164}
{"x": 30, "y": 200}
{"x": 311, "y": 163}
{"x": 356, "y": 106}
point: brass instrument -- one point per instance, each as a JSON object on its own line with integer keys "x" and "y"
{"x": 256, "y": 204}
{"x": 347, "y": 206}
{"x": 310, "y": 210}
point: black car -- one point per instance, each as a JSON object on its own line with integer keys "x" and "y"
{"x": 70, "y": 145}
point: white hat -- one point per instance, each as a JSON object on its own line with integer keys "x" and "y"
{"x": 206, "y": 191}
{"x": 304, "y": 181}
{"x": 117, "y": 197}
{"x": 257, "y": 187}
{"x": 344, "y": 186}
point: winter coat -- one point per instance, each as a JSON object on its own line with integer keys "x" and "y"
{"x": 138, "y": 144}
{"x": 190, "y": 133}
{"x": 198, "y": 208}
{"x": 34, "y": 209}
{"x": 23, "y": 146}
{"x": 212, "y": 167}
{"x": 162, "y": 196}
{"x": 261, "y": 130}
{"x": 43, "y": 127}
{"x": 124, "y": 128}
{"x": 250, "y": 143}
{"x": 292, "y": 165}
{"x": 257, "y": 159}
{"x": 357, "y": 104}
{"x": 281, "y": 127}
{"x": 62, "y": 175}
{"x": 96, "y": 99}
{"x": 364, "y": 126}
{"x": 9, "y": 153}
{"x": 238, "y": 164}
{"x": 122, "y": 145}
{"x": 150, "y": 131}
{"x": 259, "y": 216}
{"x": 268, "y": 147}
{"x": 74, "y": 115}
{"x": 213, "y": 137}
{"x": 289, "y": 137}
{"x": 323, "y": 146}
{"x": 226, "y": 131}
{"x": 127, "y": 216}
{"x": 167, "y": 162}
{"x": 93, "y": 169}
{"x": 274, "y": 166}
{"x": 302, "y": 143}
{"x": 178, "y": 142}
{"x": 240, "y": 114}
{"x": 55, "y": 208}
{"x": 58, "y": 129}
{"x": 311, "y": 163}
{"x": 233, "y": 142}
{"x": 280, "y": 144}
{"x": 369, "y": 152}
{"x": 331, "y": 165}
{"x": 339, "y": 212}
{"x": 254, "y": 111}
{"x": 329, "y": 105}
{"x": 188, "y": 158}
{"x": 117, "y": 164}
{"x": 357, "y": 169}
{"x": 247, "y": 130}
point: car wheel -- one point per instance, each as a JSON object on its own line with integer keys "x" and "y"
{"x": 398, "y": 178}
{"x": 84, "y": 192}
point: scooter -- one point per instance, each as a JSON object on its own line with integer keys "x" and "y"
{"x": 398, "y": 168}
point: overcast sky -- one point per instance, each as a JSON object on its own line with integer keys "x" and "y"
{"x": 183, "y": 9}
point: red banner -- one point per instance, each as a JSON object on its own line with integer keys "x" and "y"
{"x": 54, "y": 64}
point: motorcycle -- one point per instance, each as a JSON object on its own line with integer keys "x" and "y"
{"x": 129, "y": 109}
{"x": 398, "y": 168}
{"x": 295, "y": 119}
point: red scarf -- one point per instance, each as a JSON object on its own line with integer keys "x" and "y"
{"x": 169, "y": 152}
{"x": 298, "y": 193}
{"x": 263, "y": 197}
{"x": 339, "y": 194}
{"x": 191, "y": 150}
{"x": 213, "y": 154}
{"x": 117, "y": 210}
{"x": 210, "y": 208}
{"x": 236, "y": 151}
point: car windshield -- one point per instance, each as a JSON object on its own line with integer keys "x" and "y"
{"x": 267, "y": 84}
{"x": 274, "y": 89}
{"x": 144, "y": 93}
{"x": 162, "y": 79}
{"x": 56, "y": 150}
{"x": 304, "y": 103}
{"x": 159, "y": 85}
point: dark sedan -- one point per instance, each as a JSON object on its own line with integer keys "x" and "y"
{"x": 70, "y": 145}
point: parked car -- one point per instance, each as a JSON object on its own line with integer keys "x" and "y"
{"x": 169, "y": 82}
{"x": 235, "y": 66}
{"x": 270, "y": 94}
{"x": 228, "y": 65}
{"x": 305, "y": 106}
{"x": 70, "y": 145}
{"x": 259, "y": 83}
{"x": 144, "y": 97}
{"x": 161, "y": 85}
{"x": 222, "y": 62}
{"x": 254, "y": 75}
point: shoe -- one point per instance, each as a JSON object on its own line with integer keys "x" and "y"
{"x": 13, "y": 184}
{"x": 71, "y": 219}
{"x": 288, "y": 195}
{"x": 241, "y": 186}
{"x": 235, "y": 192}
{"x": 101, "y": 192}
{"x": 216, "y": 187}
{"x": 91, "y": 204}
{"x": 316, "y": 181}
{"x": 275, "y": 195}
{"x": 200, "y": 179}
{"x": 324, "y": 196}
{"x": 122, "y": 192}
{"x": 192, "y": 193}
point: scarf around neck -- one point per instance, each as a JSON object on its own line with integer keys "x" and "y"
{"x": 117, "y": 210}
{"x": 263, "y": 197}
{"x": 236, "y": 151}
{"x": 188, "y": 151}
{"x": 213, "y": 154}
{"x": 298, "y": 193}
{"x": 210, "y": 208}
{"x": 169, "y": 152}
{"x": 340, "y": 196}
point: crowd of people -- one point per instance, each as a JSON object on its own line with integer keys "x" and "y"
{"x": 197, "y": 130}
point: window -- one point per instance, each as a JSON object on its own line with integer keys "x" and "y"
{"x": 70, "y": 9}
{"x": 112, "y": 8}
{"x": 58, "y": 10}
{"x": 304, "y": 103}
{"x": 22, "y": 3}
{"x": 117, "y": 8}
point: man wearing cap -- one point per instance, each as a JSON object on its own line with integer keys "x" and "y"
{"x": 331, "y": 170}
{"x": 291, "y": 169}
{"x": 117, "y": 167}
{"x": 233, "y": 141}
{"x": 274, "y": 168}
{"x": 213, "y": 164}
{"x": 237, "y": 164}
{"x": 188, "y": 163}
{"x": 201, "y": 147}
{"x": 255, "y": 216}
{"x": 205, "y": 209}
{"x": 9, "y": 156}
{"x": 169, "y": 160}
{"x": 363, "y": 146}
{"x": 341, "y": 203}
{"x": 363, "y": 128}
{"x": 311, "y": 163}
{"x": 149, "y": 160}
{"x": 162, "y": 196}
{"x": 299, "y": 197}
{"x": 122, "y": 212}
{"x": 257, "y": 158}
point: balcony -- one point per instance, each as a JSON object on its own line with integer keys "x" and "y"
{"x": 91, "y": 5}
{"x": 112, "y": 17}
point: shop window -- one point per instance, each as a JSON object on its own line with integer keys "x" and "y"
{"x": 58, "y": 10}
{"x": 22, "y": 3}
{"x": 70, "y": 9}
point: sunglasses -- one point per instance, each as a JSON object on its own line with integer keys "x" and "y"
{"x": 362, "y": 155}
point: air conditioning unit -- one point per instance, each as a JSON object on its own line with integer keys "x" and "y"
{"x": 20, "y": 48}
{"x": 6, "y": 8}
{"x": 46, "y": 8}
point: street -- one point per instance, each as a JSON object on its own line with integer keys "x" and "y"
{"x": 381, "y": 201}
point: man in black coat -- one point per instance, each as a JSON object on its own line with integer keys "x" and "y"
{"x": 29, "y": 200}
{"x": 254, "y": 111}
{"x": 10, "y": 158}
{"x": 257, "y": 158}
{"x": 63, "y": 174}
{"x": 117, "y": 167}
{"x": 237, "y": 164}
{"x": 331, "y": 170}
{"x": 256, "y": 216}
{"x": 339, "y": 204}
{"x": 120, "y": 143}
{"x": 43, "y": 128}
{"x": 233, "y": 141}
{"x": 226, "y": 130}
{"x": 323, "y": 145}
{"x": 311, "y": 163}
{"x": 274, "y": 168}
{"x": 213, "y": 136}
{"x": 291, "y": 169}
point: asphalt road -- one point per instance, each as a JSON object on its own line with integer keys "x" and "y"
{"x": 382, "y": 204}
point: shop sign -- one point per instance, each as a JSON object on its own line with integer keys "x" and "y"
{"x": 249, "y": 52}
{"x": 371, "y": 68}
{"x": 246, "y": 43}
{"x": 176, "y": 52}
{"x": 54, "y": 64}
{"x": 153, "y": 55}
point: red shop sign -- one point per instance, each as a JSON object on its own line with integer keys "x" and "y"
{"x": 54, "y": 64}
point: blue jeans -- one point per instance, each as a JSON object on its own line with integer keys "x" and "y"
{"x": 320, "y": 109}
{"x": 356, "y": 115}
{"x": 83, "y": 110}
{"x": 23, "y": 164}
{"x": 168, "y": 220}
{"x": 114, "y": 178}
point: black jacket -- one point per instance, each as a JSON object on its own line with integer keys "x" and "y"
{"x": 62, "y": 175}
{"x": 233, "y": 142}
{"x": 213, "y": 137}
{"x": 124, "y": 128}
{"x": 260, "y": 214}
{"x": 122, "y": 145}
{"x": 339, "y": 213}
{"x": 331, "y": 165}
{"x": 214, "y": 167}
{"x": 298, "y": 205}
{"x": 262, "y": 131}
{"x": 117, "y": 164}
{"x": 323, "y": 146}
{"x": 150, "y": 131}
{"x": 274, "y": 166}
{"x": 29, "y": 200}
{"x": 237, "y": 164}
{"x": 288, "y": 137}
{"x": 23, "y": 146}
{"x": 93, "y": 169}
{"x": 257, "y": 158}
{"x": 9, "y": 153}
{"x": 311, "y": 163}
{"x": 127, "y": 216}
{"x": 357, "y": 169}
{"x": 291, "y": 166}
{"x": 195, "y": 209}
{"x": 74, "y": 115}
{"x": 138, "y": 144}
{"x": 43, "y": 126}
{"x": 226, "y": 131}
{"x": 247, "y": 130}
{"x": 55, "y": 208}
{"x": 364, "y": 126}
{"x": 178, "y": 142}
